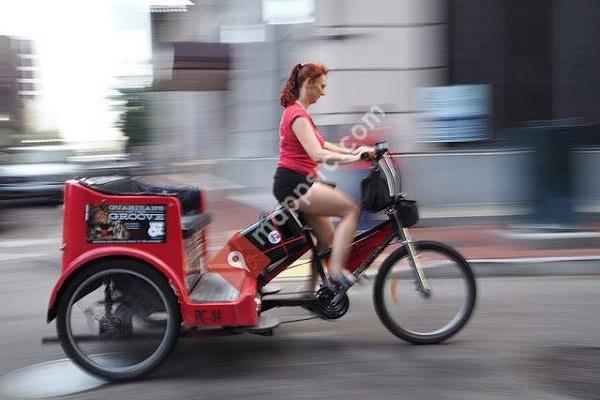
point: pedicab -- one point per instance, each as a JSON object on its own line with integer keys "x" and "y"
{"x": 136, "y": 275}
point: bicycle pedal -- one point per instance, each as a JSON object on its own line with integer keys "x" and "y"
{"x": 338, "y": 298}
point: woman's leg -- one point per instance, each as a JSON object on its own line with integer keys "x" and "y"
{"x": 322, "y": 200}
{"x": 323, "y": 231}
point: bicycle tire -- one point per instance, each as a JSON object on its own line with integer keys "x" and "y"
{"x": 425, "y": 337}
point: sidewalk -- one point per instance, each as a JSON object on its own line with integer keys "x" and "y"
{"x": 489, "y": 241}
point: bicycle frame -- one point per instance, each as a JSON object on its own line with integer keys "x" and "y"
{"x": 365, "y": 248}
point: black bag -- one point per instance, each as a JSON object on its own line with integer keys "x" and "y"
{"x": 375, "y": 194}
{"x": 409, "y": 212}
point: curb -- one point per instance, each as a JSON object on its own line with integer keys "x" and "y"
{"x": 513, "y": 267}
{"x": 540, "y": 266}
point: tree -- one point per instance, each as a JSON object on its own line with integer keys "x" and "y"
{"x": 133, "y": 121}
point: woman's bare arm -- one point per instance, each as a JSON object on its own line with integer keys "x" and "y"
{"x": 337, "y": 149}
{"x": 304, "y": 132}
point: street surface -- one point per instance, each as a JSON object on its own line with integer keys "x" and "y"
{"x": 530, "y": 338}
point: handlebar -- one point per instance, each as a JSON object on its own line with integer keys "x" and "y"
{"x": 380, "y": 149}
{"x": 386, "y": 165}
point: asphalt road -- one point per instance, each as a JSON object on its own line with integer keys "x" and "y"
{"x": 530, "y": 338}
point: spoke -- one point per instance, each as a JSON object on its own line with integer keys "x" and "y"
{"x": 422, "y": 313}
{"x": 100, "y": 324}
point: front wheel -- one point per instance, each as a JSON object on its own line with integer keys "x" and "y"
{"x": 118, "y": 320}
{"x": 416, "y": 317}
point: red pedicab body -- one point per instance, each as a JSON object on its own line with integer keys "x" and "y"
{"x": 222, "y": 292}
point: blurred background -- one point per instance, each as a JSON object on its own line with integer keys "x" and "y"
{"x": 492, "y": 104}
{"x": 492, "y": 108}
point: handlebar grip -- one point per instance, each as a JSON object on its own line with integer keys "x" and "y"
{"x": 364, "y": 155}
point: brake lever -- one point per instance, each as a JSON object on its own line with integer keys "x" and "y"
{"x": 365, "y": 156}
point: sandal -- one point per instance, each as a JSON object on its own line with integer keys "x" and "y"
{"x": 343, "y": 281}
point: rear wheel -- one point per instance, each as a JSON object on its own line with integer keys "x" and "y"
{"x": 414, "y": 316}
{"x": 119, "y": 320}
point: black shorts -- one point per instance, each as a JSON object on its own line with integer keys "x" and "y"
{"x": 290, "y": 185}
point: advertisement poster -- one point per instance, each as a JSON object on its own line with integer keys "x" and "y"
{"x": 126, "y": 223}
{"x": 458, "y": 113}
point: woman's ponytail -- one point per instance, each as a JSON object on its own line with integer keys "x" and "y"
{"x": 291, "y": 89}
{"x": 300, "y": 73}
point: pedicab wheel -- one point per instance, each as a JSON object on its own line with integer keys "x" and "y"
{"x": 118, "y": 320}
{"x": 417, "y": 317}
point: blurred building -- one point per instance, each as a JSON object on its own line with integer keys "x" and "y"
{"x": 194, "y": 101}
{"x": 376, "y": 55}
{"x": 540, "y": 56}
{"x": 18, "y": 85}
{"x": 188, "y": 104}
{"x": 11, "y": 109}
{"x": 219, "y": 67}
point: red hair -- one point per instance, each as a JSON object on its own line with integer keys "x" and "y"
{"x": 300, "y": 73}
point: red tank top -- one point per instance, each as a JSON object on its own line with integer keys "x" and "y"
{"x": 291, "y": 152}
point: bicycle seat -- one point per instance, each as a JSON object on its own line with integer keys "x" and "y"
{"x": 297, "y": 214}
